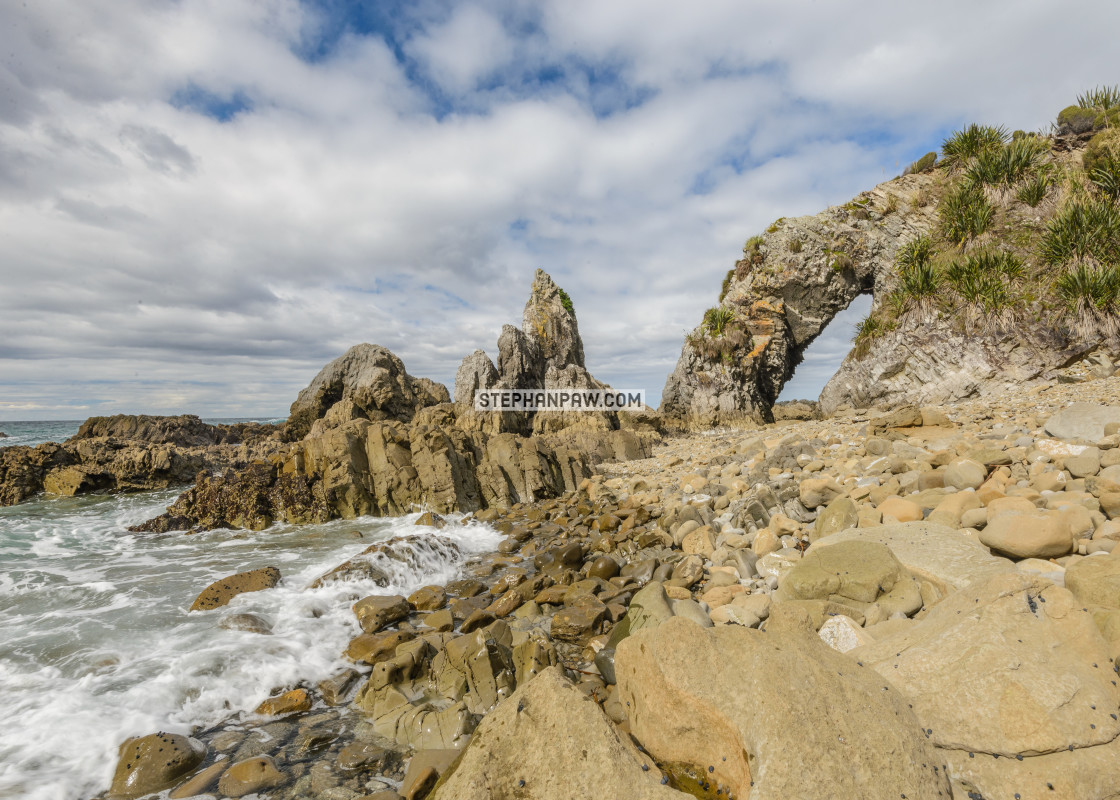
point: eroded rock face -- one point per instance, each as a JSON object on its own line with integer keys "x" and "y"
{"x": 370, "y": 382}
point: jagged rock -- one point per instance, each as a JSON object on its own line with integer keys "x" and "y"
{"x": 549, "y": 741}
{"x": 705, "y": 698}
{"x": 370, "y": 378}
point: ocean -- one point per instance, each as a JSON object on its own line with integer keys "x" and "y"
{"x": 98, "y": 645}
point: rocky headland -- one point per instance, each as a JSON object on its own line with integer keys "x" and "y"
{"x": 126, "y": 453}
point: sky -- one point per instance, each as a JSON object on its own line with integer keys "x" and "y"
{"x": 204, "y": 201}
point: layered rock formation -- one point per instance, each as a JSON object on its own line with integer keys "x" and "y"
{"x": 126, "y": 453}
{"x": 374, "y": 440}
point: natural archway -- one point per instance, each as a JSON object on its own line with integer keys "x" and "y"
{"x": 821, "y": 359}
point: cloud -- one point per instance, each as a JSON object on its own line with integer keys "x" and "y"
{"x": 204, "y": 202}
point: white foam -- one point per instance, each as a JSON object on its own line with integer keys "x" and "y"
{"x": 98, "y": 645}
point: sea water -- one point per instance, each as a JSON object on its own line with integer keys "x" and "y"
{"x": 96, "y": 643}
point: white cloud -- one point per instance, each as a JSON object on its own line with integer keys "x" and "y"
{"x": 628, "y": 148}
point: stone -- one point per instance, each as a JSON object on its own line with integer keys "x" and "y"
{"x": 1036, "y": 534}
{"x": 424, "y": 770}
{"x": 249, "y": 776}
{"x": 336, "y": 689}
{"x": 549, "y": 740}
{"x": 578, "y": 623}
{"x": 1082, "y": 422}
{"x": 902, "y": 510}
{"x": 816, "y": 492}
{"x": 857, "y": 570}
{"x": 933, "y": 552}
{"x": 250, "y": 623}
{"x": 201, "y": 782}
{"x": 220, "y": 592}
{"x": 428, "y": 598}
{"x": 1095, "y": 581}
{"x": 369, "y": 648}
{"x": 839, "y": 515}
{"x": 152, "y": 763}
{"x": 1010, "y": 665}
{"x": 378, "y": 611}
{"x": 965, "y": 473}
{"x": 295, "y": 701}
{"x": 842, "y": 634}
{"x": 705, "y": 697}
{"x": 430, "y": 519}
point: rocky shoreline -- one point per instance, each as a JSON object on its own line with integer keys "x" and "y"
{"x": 918, "y": 602}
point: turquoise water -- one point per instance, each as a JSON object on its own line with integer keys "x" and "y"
{"x": 98, "y": 645}
{"x": 59, "y": 430}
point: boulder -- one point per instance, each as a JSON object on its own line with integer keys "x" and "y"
{"x": 1034, "y": 534}
{"x": 370, "y": 379}
{"x": 706, "y": 698}
{"x": 1095, "y": 581}
{"x": 549, "y": 741}
{"x": 965, "y": 473}
{"x": 152, "y": 763}
{"x": 378, "y": 611}
{"x": 293, "y": 702}
{"x": 220, "y": 592}
{"x": 1083, "y": 422}
{"x": 250, "y": 776}
{"x": 1011, "y": 665}
{"x": 839, "y": 515}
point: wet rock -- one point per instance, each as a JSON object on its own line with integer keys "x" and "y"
{"x": 378, "y": 611}
{"x": 369, "y": 648}
{"x": 200, "y": 783}
{"x": 152, "y": 763}
{"x": 249, "y": 776}
{"x": 429, "y": 598}
{"x": 295, "y": 701}
{"x": 336, "y": 689}
{"x": 250, "y": 623}
{"x": 220, "y": 592}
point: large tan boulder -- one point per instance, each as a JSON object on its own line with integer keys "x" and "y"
{"x": 714, "y": 699}
{"x": 942, "y": 555}
{"x": 816, "y": 492}
{"x": 1010, "y": 665}
{"x": 1033, "y": 534}
{"x": 549, "y": 741}
{"x": 1095, "y": 581}
{"x": 839, "y": 515}
{"x": 220, "y": 592}
{"x": 152, "y": 763}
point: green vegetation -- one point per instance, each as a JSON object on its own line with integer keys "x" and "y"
{"x": 795, "y": 245}
{"x": 753, "y": 244}
{"x": 567, "y": 303}
{"x": 775, "y": 225}
{"x": 1083, "y": 230}
{"x": 1102, "y": 98}
{"x": 1008, "y": 164}
{"x": 717, "y": 319}
{"x": 923, "y": 164}
{"x": 867, "y": 331}
{"x": 1034, "y": 189}
{"x": 1092, "y": 298}
{"x": 969, "y": 143}
{"x": 965, "y": 213}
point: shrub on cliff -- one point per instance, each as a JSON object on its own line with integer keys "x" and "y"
{"x": 970, "y": 142}
{"x": 965, "y": 213}
{"x": 1092, "y": 298}
{"x": 1081, "y": 230}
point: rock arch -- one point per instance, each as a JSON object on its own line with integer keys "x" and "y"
{"x": 783, "y": 293}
